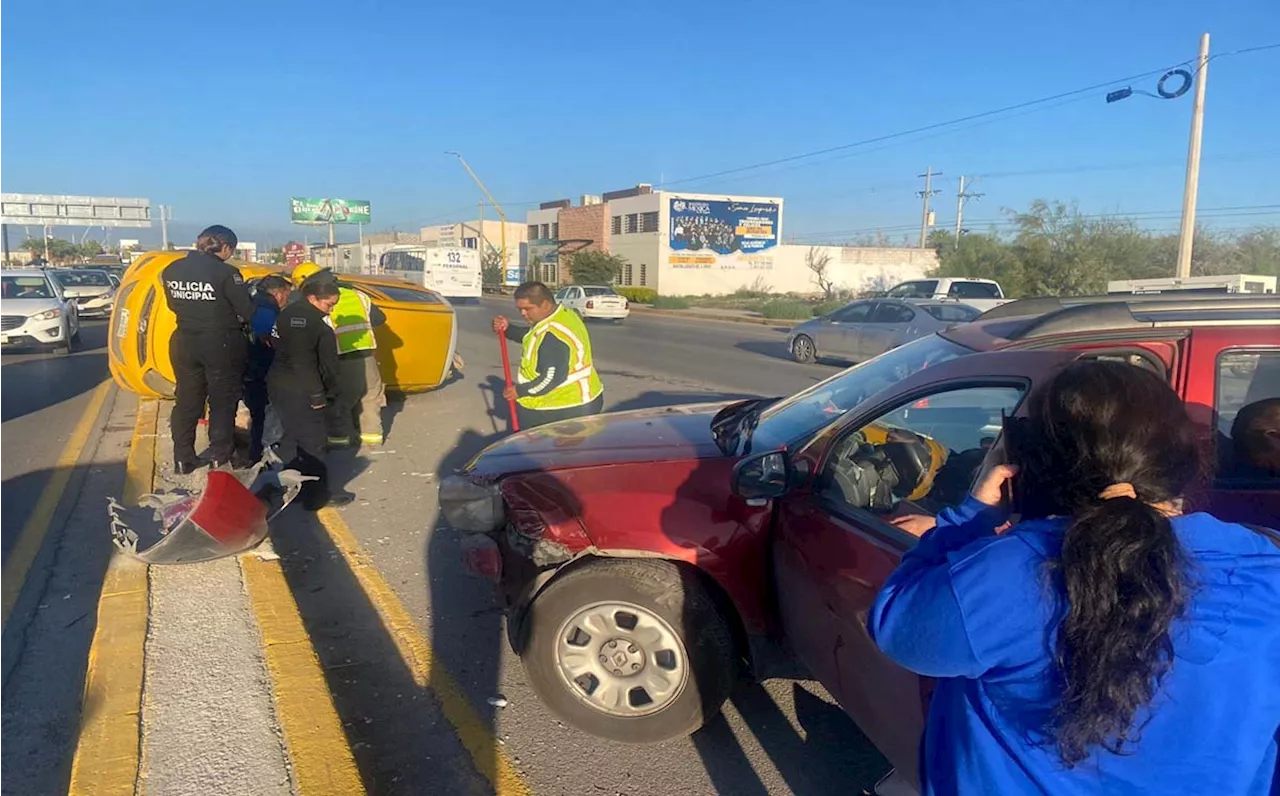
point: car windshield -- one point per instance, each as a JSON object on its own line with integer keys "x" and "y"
{"x": 975, "y": 290}
{"x": 83, "y": 278}
{"x": 599, "y": 291}
{"x": 795, "y": 418}
{"x": 32, "y": 287}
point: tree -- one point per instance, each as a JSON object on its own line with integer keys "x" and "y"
{"x": 596, "y": 268}
{"x": 60, "y": 251}
{"x": 89, "y": 248}
{"x": 819, "y": 262}
{"x": 491, "y": 274}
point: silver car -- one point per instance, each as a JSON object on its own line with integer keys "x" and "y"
{"x": 35, "y": 312}
{"x": 90, "y": 288}
{"x": 864, "y": 329}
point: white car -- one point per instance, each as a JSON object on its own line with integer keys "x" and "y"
{"x": 594, "y": 301}
{"x": 981, "y": 294}
{"x": 91, "y": 289}
{"x": 35, "y": 312}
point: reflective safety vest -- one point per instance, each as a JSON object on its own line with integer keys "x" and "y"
{"x": 583, "y": 384}
{"x": 351, "y": 323}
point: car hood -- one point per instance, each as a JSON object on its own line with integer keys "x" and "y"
{"x": 28, "y": 307}
{"x": 668, "y": 433}
{"x": 85, "y": 290}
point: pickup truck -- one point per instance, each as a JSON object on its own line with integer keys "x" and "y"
{"x": 649, "y": 559}
{"x": 981, "y": 294}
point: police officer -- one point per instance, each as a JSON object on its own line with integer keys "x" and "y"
{"x": 557, "y": 378}
{"x": 269, "y": 298}
{"x": 360, "y": 382}
{"x": 301, "y": 383}
{"x": 208, "y": 349}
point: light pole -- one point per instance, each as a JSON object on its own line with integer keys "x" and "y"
{"x": 496, "y": 206}
{"x": 1191, "y": 186}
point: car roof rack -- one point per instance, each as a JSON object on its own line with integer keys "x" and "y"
{"x": 1064, "y": 315}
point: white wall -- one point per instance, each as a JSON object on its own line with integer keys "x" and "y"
{"x": 787, "y": 271}
{"x": 639, "y": 248}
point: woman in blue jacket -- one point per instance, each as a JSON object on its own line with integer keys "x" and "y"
{"x": 1106, "y": 642}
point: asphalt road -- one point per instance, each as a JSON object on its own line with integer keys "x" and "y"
{"x": 779, "y": 738}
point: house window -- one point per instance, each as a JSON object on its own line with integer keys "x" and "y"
{"x": 615, "y": 225}
{"x": 649, "y": 222}
{"x": 626, "y": 274}
{"x": 555, "y": 230}
{"x": 631, "y": 223}
{"x": 533, "y": 232}
{"x": 546, "y": 231}
{"x": 644, "y": 280}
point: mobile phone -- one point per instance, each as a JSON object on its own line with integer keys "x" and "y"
{"x": 1013, "y": 435}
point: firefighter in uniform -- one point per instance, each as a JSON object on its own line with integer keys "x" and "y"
{"x": 359, "y": 380}
{"x": 208, "y": 350}
{"x": 301, "y": 383}
{"x": 557, "y": 378}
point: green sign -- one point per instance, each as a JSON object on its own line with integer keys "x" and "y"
{"x": 328, "y": 211}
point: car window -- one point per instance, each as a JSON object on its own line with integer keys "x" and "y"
{"x": 599, "y": 291}
{"x": 923, "y": 289}
{"x": 82, "y": 278}
{"x": 927, "y": 451}
{"x": 891, "y": 312}
{"x": 405, "y": 294}
{"x": 854, "y": 313}
{"x": 974, "y": 290}
{"x": 952, "y": 313}
{"x": 32, "y": 287}
{"x": 562, "y": 294}
{"x": 1247, "y": 405}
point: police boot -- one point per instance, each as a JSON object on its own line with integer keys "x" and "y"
{"x": 340, "y": 498}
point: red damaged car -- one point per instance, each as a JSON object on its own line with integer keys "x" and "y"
{"x": 648, "y": 559}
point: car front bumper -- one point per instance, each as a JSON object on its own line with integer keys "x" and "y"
{"x": 34, "y": 333}
{"x": 97, "y": 308}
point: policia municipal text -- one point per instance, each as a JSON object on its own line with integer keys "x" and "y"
{"x": 557, "y": 378}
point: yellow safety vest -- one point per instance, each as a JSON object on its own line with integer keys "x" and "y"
{"x": 351, "y": 324}
{"x": 583, "y": 384}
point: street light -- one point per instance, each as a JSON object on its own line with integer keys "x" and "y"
{"x": 1187, "y": 230}
{"x": 496, "y": 206}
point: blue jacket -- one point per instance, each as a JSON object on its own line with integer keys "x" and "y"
{"x": 261, "y": 324}
{"x": 978, "y": 612}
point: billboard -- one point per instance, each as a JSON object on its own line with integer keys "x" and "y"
{"x": 708, "y": 233}
{"x": 328, "y": 211}
{"x": 294, "y": 253}
{"x": 74, "y": 211}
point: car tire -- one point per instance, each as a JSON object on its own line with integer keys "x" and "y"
{"x": 803, "y": 349}
{"x": 657, "y": 618}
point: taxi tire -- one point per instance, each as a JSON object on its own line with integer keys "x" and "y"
{"x": 671, "y": 591}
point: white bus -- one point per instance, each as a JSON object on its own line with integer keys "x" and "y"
{"x": 1231, "y": 283}
{"x": 452, "y": 272}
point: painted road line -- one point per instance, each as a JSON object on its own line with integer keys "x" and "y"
{"x": 35, "y": 529}
{"x": 314, "y": 738}
{"x": 489, "y": 758}
{"x": 107, "y": 751}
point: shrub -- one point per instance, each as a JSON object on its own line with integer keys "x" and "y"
{"x": 787, "y": 309}
{"x": 640, "y": 295}
{"x": 671, "y": 302}
{"x": 827, "y": 307}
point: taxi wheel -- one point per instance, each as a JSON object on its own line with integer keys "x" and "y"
{"x": 630, "y": 650}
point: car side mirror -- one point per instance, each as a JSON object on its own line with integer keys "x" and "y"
{"x": 763, "y": 477}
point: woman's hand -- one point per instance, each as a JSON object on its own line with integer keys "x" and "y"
{"x": 991, "y": 486}
{"x": 915, "y": 524}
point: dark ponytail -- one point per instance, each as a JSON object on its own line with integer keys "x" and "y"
{"x": 1115, "y": 428}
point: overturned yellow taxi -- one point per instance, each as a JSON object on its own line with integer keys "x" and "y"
{"x": 415, "y": 345}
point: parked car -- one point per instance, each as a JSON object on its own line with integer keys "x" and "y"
{"x": 983, "y": 294}
{"x": 90, "y": 288}
{"x": 416, "y": 345}
{"x": 594, "y": 301}
{"x": 648, "y": 558}
{"x": 865, "y": 329}
{"x": 35, "y": 312}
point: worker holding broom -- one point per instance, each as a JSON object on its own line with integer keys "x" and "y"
{"x": 557, "y": 379}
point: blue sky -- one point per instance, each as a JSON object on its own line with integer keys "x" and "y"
{"x": 223, "y": 111}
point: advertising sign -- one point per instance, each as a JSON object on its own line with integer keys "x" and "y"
{"x": 328, "y": 211}
{"x": 294, "y": 253}
{"x": 708, "y": 233}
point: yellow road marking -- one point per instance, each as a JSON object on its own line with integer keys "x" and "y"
{"x": 317, "y": 745}
{"x": 489, "y": 758}
{"x": 37, "y": 525}
{"x": 107, "y": 751}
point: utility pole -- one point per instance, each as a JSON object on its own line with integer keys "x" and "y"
{"x": 164, "y": 227}
{"x": 501, "y": 215}
{"x": 961, "y": 198}
{"x": 1187, "y": 232}
{"x": 926, "y": 194}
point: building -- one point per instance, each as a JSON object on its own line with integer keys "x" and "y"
{"x": 364, "y": 257}
{"x": 471, "y": 234}
{"x": 703, "y": 244}
{"x": 247, "y": 251}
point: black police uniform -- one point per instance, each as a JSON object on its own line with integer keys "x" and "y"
{"x": 302, "y": 380}
{"x": 208, "y": 351}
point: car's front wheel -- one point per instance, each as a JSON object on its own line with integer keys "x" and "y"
{"x": 803, "y": 349}
{"x": 630, "y": 650}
